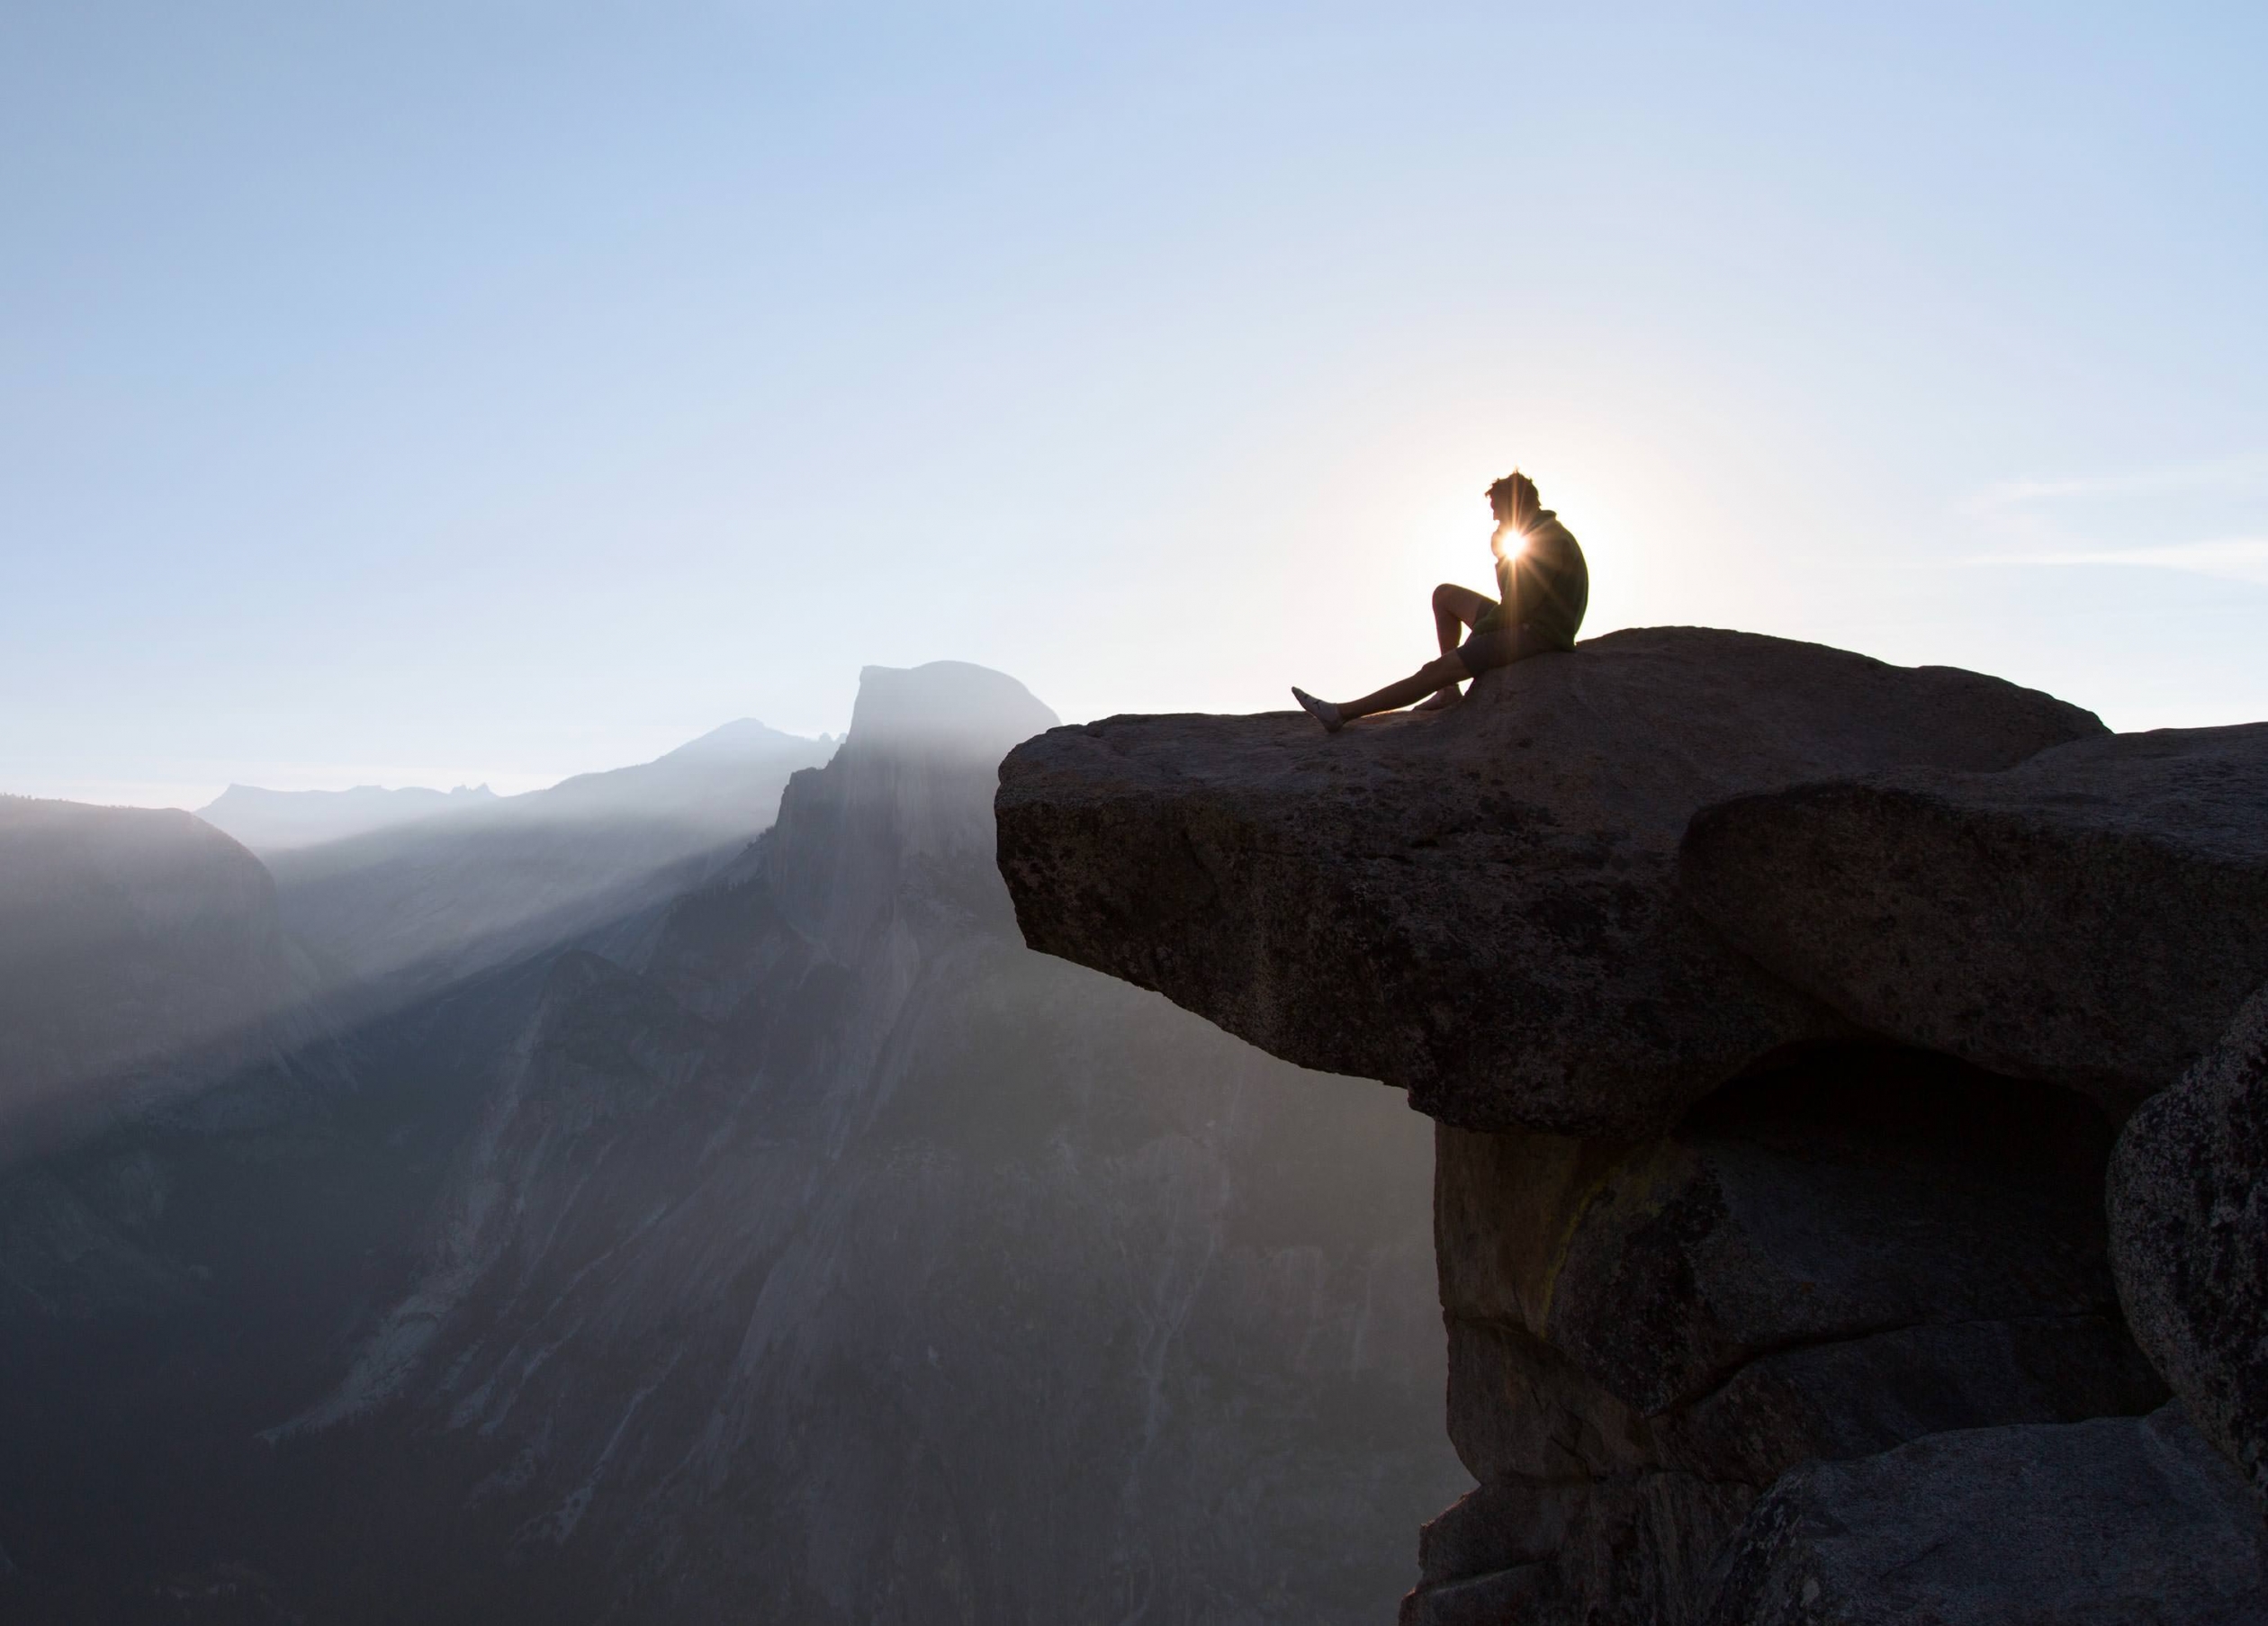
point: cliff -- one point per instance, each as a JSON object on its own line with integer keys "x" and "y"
{"x": 1777, "y": 1009}
{"x": 141, "y": 956}
{"x": 1479, "y": 907}
{"x": 830, "y": 1256}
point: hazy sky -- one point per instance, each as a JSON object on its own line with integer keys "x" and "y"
{"x": 431, "y": 393}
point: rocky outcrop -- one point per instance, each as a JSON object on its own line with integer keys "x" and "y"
{"x": 1845, "y": 1254}
{"x": 2118, "y": 1522}
{"x": 2094, "y": 916}
{"x": 1478, "y": 905}
{"x": 1766, "y": 1138}
{"x": 2189, "y": 1234}
{"x": 1830, "y": 1200}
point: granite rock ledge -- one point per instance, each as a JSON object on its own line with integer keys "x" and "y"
{"x": 1779, "y": 1009}
{"x": 1479, "y": 905}
{"x": 2094, "y": 916}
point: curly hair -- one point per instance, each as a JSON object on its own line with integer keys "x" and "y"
{"x": 1515, "y": 495}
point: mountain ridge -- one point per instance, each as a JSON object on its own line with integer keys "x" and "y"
{"x": 276, "y": 821}
{"x": 798, "y": 1245}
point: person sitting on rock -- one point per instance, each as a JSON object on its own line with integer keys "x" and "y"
{"x": 1545, "y": 587}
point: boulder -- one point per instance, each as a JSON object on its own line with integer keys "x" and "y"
{"x": 2092, "y": 915}
{"x": 2189, "y": 1238}
{"x": 2115, "y": 1521}
{"x": 1478, "y": 905}
{"x": 1854, "y": 1250}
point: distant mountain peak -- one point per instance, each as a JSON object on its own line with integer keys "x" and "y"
{"x": 951, "y": 703}
{"x": 737, "y": 738}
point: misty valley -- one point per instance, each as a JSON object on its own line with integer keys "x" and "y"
{"x": 678, "y": 1195}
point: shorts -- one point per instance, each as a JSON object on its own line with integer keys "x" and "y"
{"x": 1502, "y": 645}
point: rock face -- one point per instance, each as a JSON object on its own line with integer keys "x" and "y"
{"x": 2189, "y": 1233}
{"x": 1777, "y": 1008}
{"x": 1853, "y": 1251}
{"x": 1478, "y": 905}
{"x": 2094, "y": 916}
{"x": 140, "y": 956}
{"x": 2119, "y": 1522}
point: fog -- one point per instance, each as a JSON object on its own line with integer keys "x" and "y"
{"x": 643, "y": 1122}
{"x": 276, "y": 821}
{"x": 406, "y": 907}
{"x": 144, "y": 952}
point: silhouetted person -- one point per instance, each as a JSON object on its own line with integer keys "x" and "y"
{"x": 1545, "y": 587}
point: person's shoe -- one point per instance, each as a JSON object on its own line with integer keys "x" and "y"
{"x": 1322, "y": 711}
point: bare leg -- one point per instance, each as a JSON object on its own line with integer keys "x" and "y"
{"x": 1430, "y": 679}
{"x": 1454, "y": 609}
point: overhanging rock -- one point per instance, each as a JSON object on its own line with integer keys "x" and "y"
{"x": 2093, "y": 917}
{"x": 1479, "y": 905}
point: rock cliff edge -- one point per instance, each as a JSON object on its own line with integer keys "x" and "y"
{"x": 1779, "y": 1009}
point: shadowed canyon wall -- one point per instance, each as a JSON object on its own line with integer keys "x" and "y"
{"x": 804, "y": 1249}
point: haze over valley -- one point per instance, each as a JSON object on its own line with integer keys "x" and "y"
{"x": 753, "y": 1230}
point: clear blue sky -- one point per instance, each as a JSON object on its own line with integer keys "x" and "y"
{"x": 427, "y": 393}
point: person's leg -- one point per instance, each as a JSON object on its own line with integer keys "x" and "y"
{"x": 1435, "y": 676}
{"x": 1455, "y": 610}
{"x": 1484, "y": 652}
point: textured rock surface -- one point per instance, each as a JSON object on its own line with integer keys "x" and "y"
{"x": 1478, "y": 905}
{"x": 1852, "y": 1251}
{"x": 1838, "y": 1199}
{"x": 2118, "y": 1522}
{"x": 2189, "y": 1238}
{"x": 1632, "y": 1548}
{"x": 2093, "y": 915}
{"x": 1803, "y": 1176}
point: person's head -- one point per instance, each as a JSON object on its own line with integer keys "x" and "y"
{"x": 1513, "y": 501}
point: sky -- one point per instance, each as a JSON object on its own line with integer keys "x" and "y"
{"x": 439, "y": 394}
